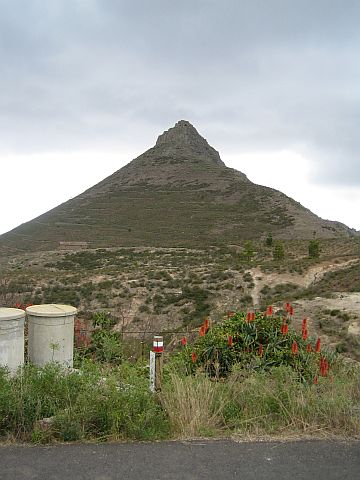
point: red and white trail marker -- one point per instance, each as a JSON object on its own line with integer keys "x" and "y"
{"x": 158, "y": 344}
{"x": 156, "y": 362}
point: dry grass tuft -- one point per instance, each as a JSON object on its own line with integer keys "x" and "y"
{"x": 194, "y": 405}
{"x": 272, "y": 403}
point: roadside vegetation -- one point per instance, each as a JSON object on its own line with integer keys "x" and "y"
{"x": 242, "y": 376}
{"x": 251, "y": 374}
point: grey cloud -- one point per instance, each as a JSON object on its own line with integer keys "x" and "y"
{"x": 252, "y": 75}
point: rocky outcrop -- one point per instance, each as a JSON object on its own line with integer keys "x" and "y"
{"x": 183, "y": 140}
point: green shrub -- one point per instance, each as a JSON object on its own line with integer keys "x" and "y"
{"x": 106, "y": 344}
{"x": 256, "y": 345}
{"x": 94, "y": 403}
{"x": 32, "y": 395}
{"x": 314, "y": 248}
{"x": 278, "y": 251}
{"x": 269, "y": 240}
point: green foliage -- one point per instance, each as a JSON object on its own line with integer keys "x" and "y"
{"x": 249, "y": 250}
{"x": 61, "y": 294}
{"x": 314, "y": 248}
{"x": 217, "y": 358}
{"x": 275, "y": 402}
{"x": 102, "y": 404}
{"x": 96, "y": 403}
{"x": 278, "y": 251}
{"x": 263, "y": 402}
{"x": 144, "y": 308}
{"x": 103, "y": 321}
{"x": 247, "y": 277}
{"x": 339, "y": 314}
{"x": 269, "y": 240}
{"x": 200, "y": 298}
{"x": 106, "y": 344}
{"x": 275, "y": 294}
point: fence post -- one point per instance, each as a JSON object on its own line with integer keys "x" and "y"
{"x": 142, "y": 350}
{"x": 156, "y": 364}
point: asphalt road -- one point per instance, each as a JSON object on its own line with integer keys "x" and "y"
{"x": 210, "y": 460}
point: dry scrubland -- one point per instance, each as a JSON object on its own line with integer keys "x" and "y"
{"x": 157, "y": 289}
{"x": 246, "y": 378}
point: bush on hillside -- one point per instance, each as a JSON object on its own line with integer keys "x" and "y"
{"x": 256, "y": 342}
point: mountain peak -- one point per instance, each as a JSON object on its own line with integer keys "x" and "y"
{"x": 184, "y": 139}
{"x": 183, "y": 131}
{"x": 177, "y": 193}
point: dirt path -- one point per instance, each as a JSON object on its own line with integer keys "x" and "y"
{"x": 312, "y": 308}
{"x": 313, "y": 275}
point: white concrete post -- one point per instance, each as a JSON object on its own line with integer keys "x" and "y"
{"x": 156, "y": 364}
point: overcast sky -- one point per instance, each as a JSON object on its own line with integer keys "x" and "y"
{"x": 87, "y": 85}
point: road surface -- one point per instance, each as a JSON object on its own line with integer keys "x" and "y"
{"x": 210, "y": 460}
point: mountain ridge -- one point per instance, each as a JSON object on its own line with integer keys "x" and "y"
{"x": 177, "y": 193}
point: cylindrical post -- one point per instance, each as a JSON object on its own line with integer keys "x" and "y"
{"x": 11, "y": 338}
{"x": 51, "y": 334}
{"x": 156, "y": 364}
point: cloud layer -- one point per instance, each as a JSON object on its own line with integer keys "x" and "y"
{"x": 258, "y": 75}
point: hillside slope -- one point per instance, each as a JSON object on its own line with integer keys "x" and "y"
{"x": 178, "y": 193}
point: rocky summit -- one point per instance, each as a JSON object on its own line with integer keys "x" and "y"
{"x": 184, "y": 141}
{"x": 177, "y": 193}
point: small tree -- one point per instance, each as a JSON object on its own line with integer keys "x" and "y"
{"x": 279, "y": 251}
{"x": 314, "y": 249}
{"x": 269, "y": 240}
{"x": 249, "y": 251}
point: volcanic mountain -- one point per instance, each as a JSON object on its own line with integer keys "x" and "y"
{"x": 178, "y": 193}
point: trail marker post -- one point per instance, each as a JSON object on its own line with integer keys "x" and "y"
{"x": 156, "y": 364}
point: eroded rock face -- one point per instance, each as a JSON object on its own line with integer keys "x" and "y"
{"x": 185, "y": 140}
{"x": 180, "y": 158}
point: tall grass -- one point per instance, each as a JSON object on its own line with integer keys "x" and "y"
{"x": 105, "y": 403}
{"x": 94, "y": 403}
{"x": 277, "y": 402}
{"x": 272, "y": 402}
{"x": 194, "y": 405}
